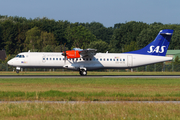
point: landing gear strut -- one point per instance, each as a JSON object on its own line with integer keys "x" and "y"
{"x": 83, "y": 72}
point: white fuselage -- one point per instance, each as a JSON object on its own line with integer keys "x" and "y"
{"x": 99, "y": 61}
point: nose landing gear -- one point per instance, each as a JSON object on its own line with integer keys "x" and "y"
{"x": 18, "y": 69}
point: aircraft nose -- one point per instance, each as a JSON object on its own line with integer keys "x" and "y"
{"x": 10, "y": 62}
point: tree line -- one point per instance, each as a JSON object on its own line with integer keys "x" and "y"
{"x": 18, "y": 34}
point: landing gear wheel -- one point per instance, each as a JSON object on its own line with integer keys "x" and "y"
{"x": 83, "y": 72}
{"x": 17, "y": 71}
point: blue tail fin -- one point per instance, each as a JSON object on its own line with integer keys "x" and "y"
{"x": 157, "y": 47}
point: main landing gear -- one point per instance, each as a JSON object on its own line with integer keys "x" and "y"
{"x": 83, "y": 72}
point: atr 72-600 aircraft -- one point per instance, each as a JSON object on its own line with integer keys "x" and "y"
{"x": 83, "y": 60}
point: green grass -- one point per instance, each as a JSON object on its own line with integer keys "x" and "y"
{"x": 89, "y": 89}
{"x": 92, "y": 96}
{"x": 99, "y": 81}
{"x": 89, "y": 111}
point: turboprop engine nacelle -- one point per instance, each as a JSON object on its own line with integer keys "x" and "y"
{"x": 72, "y": 54}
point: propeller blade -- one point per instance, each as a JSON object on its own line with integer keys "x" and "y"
{"x": 64, "y": 53}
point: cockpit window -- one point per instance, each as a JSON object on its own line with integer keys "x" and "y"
{"x": 20, "y": 56}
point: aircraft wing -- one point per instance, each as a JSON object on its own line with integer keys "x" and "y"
{"x": 88, "y": 52}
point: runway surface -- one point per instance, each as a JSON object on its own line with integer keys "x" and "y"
{"x": 90, "y": 76}
{"x": 93, "y": 102}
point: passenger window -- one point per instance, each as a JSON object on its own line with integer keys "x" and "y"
{"x": 110, "y": 59}
{"x": 107, "y": 59}
{"x": 43, "y": 58}
{"x": 120, "y": 59}
{"x": 50, "y": 58}
{"x": 87, "y": 59}
{"x": 76, "y": 59}
{"x": 100, "y": 59}
{"x": 63, "y": 58}
{"x": 46, "y": 58}
{"x": 104, "y": 59}
{"x": 56, "y": 58}
{"x": 114, "y": 59}
{"x": 123, "y": 59}
{"x": 97, "y": 59}
{"x": 53, "y": 58}
{"x": 17, "y": 55}
{"x": 59, "y": 58}
{"x": 83, "y": 58}
{"x": 117, "y": 59}
{"x": 90, "y": 59}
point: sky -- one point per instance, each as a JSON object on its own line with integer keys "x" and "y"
{"x": 107, "y": 12}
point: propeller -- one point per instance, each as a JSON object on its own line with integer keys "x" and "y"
{"x": 64, "y": 54}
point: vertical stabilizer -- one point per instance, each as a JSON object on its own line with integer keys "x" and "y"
{"x": 157, "y": 47}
